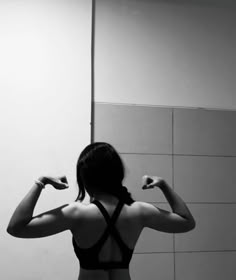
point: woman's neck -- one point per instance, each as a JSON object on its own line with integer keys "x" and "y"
{"x": 105, "y": 197}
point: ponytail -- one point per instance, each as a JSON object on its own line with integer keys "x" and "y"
{"x": 126, "y": 196}
{"x": 123, "y": 194}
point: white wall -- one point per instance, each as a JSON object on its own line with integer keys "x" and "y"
{"x": 170, "y": 53}
{"x": 44, "y": 122}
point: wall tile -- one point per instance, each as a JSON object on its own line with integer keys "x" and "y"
{"x": 139, "y": 165}
{"x": 215, "y": 229}
{"x": 205, "y": 179}
{"x": 204, "y": 132}
{"x": 139, "y": 132}
{"x": 205, "y": 266}
{"x": 134, "y": 129}
{"x": 152, "y": 266}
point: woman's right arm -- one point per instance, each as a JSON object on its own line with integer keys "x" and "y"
{"x": 180, "y": 220}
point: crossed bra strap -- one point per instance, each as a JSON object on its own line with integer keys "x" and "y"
{"x": 89, "y": 257}
{"x": 111, "y": 221}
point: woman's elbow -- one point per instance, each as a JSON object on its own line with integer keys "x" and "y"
{"x": 10, "y": 230}
{"x": 191, "y": 225}
{"x": 13, "y": 231}
{"x": 186, "y": 227}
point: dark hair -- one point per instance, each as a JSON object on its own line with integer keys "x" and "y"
{"x": 100, "y": 169}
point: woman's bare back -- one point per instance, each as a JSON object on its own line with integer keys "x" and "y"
{"x": 93, "y": 225}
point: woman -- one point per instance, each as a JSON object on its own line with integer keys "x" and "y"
{"x": 106, "y": 230}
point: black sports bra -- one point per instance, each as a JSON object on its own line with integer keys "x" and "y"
{"x": 88, "y": 257}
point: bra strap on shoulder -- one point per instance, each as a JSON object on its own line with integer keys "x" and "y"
{"x": 112, "y": 219}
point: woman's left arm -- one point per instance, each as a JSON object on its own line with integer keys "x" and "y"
{"x": 22, "y": 223}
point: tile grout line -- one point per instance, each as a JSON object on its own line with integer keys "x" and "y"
{"x": 196, "y": 202}
{"x": 188, "y": 252}
{"x": 172, "y": 157}
{"x": 172, "y": 154}
{"x": 167, "y": 106}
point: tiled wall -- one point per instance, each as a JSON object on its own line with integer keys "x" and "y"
{"x": 195, "y": 151}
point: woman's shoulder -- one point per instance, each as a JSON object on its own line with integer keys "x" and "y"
{"x": 81, "y": 208}
{"x": 88, "y": 212}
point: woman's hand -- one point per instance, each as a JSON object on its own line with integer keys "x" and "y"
{"x": 149, "y": 182}
{"x": 59, "y": 183}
